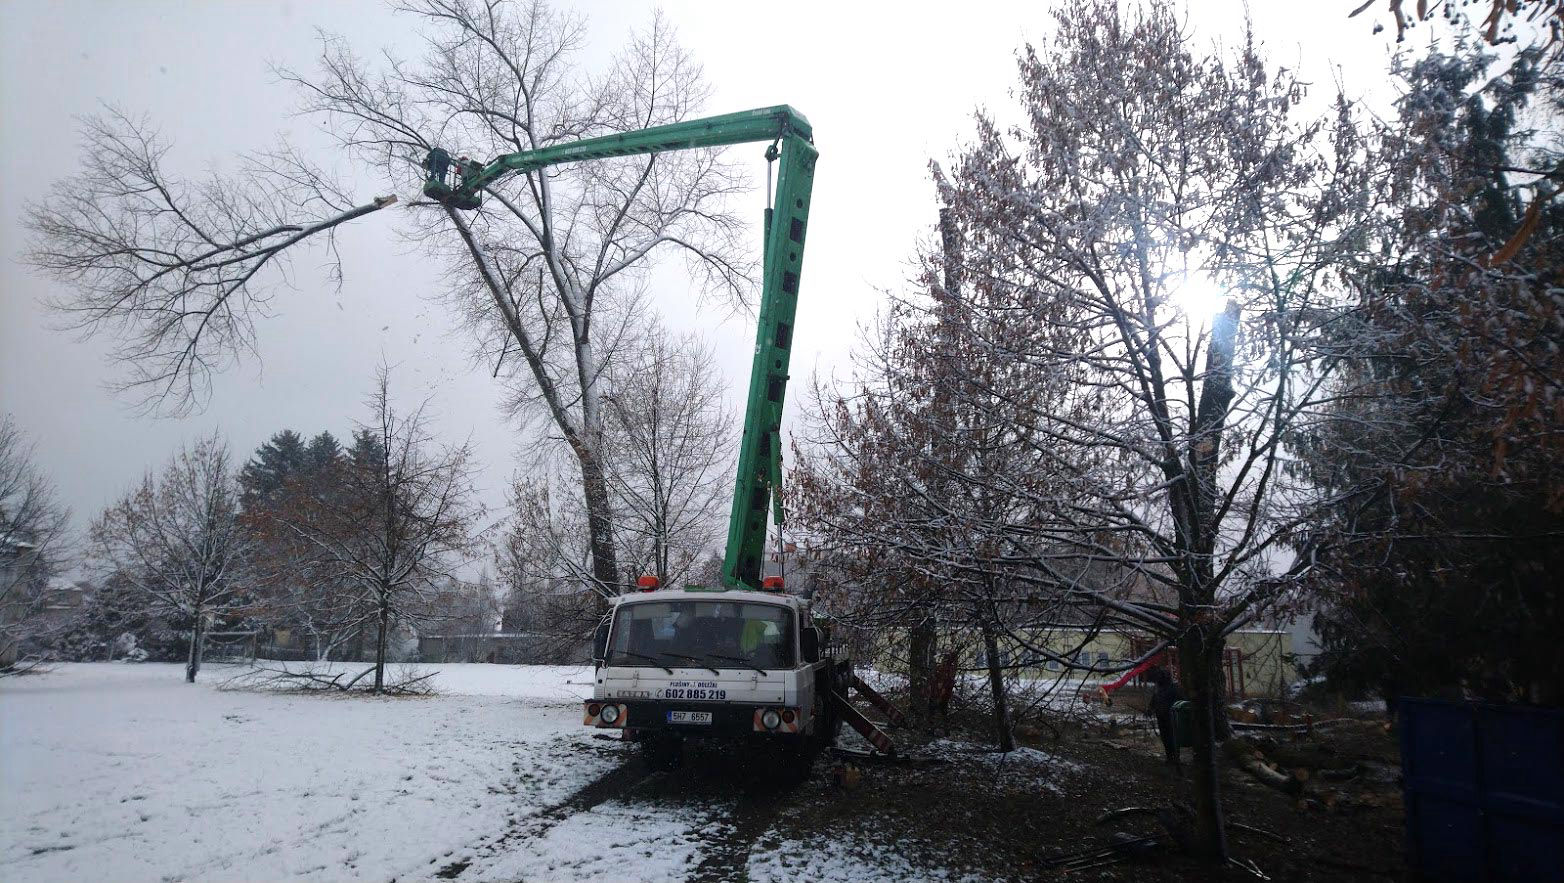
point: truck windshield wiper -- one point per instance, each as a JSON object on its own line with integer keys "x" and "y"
{"x": 741, "y": 661}
{"x": 692, "y": 659}
{"x": 651, "y": 659}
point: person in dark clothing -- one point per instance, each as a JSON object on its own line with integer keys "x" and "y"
{"x": 1164, "y": 693}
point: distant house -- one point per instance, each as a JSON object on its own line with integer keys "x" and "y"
{"x": 17, "y": 594}
{"x": 62, "y": 599}
{"x": 1255, "y": 662}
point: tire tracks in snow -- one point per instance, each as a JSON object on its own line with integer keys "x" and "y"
{"x": 739, "y": 797}
{"x": 700, "y": 822}
{"x": 727, "y": 853}
{"x": 617, "y": 781}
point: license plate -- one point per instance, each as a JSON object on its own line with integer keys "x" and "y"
{"x": 689, "y": 717}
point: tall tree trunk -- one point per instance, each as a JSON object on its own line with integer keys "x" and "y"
{"x": 1200, "y": 648}
{"x": 600, "y": 525}
{"x": 921, "y": 652}
{"x": 1199, "y": 669}
{"x": 383, "y": 627}
{"x": 996, "y": 684}
{"x": 197, "y": 638}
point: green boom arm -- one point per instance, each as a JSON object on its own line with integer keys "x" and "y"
{"x": 760, "y": 451}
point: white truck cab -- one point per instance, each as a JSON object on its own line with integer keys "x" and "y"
{"x": 675, "y": 664}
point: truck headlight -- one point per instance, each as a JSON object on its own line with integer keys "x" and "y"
{"x": 610, "y": 713}
{"x": 771, "y": 719}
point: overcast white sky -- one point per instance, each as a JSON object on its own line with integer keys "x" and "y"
{"x": 887, "y": 87}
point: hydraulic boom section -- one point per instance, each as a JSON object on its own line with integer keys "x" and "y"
{"x": 459, "y": 182}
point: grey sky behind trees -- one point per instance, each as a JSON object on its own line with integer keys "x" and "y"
{"x": 887, "y": 87}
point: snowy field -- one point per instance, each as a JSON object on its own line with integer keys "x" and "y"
{"x": 124, "y": 772}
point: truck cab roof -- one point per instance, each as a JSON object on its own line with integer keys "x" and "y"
{"x": 700, "y": 593}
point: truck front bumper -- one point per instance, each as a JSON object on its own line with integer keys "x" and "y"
{"x": 730, "y": 721}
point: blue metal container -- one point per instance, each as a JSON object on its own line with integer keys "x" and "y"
{"x": 1484, "y": 788}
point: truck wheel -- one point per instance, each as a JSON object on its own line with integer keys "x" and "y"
{"x": 663, "y": 752}
{"x": 829, "y": 724}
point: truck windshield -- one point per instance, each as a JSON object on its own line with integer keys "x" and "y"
{"x": 715, "y": 634}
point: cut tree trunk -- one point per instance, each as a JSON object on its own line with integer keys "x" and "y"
{"x": 1249, "y": 760}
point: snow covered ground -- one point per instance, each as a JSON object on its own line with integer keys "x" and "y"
{"x": 124, "y": 772}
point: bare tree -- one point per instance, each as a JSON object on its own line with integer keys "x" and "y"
{"x": 554, "y": 267}
{"x": 669, "y": 439}
{"x": 667, "y": 436}
{"x": 32, "y": 532}
{"x": 544, "y": 556}
{"x": 401, "y": 523}
{"x": 1123, "y": 442}
{"x": 545, "y": 274}
{"x": 176, "y": 271}
{"x": 177, "y": 542}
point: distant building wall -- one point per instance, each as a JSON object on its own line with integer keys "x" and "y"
{"x": 1257, "y": 662}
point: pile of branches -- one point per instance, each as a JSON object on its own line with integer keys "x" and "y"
{"x": 327, "y": 679}
{"x": 1312, "y": 773}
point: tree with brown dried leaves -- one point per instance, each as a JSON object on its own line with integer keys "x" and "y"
{"x": 400, "y": 523}
{"x": 1103, "y": 447}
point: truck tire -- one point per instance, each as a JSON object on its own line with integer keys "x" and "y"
{"x": 830, "y": 725}
{"x": 830, "y": 722}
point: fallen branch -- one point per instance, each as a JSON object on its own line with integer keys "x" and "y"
{"x": 1293, "y": 728}
{"x": 25, "y": 667}
{"x": 1243, "y": 754}
{"x": 874, "y": 757}
{"x": 326, "y": 681}
{"x": 1342, "y": 774}
{"x": 1115, "y": 814}
{"x": 1248, "y": 865}
{"x": 1121, "y": 847}
{"x": 1356, "y": 721}
{"x": 1353, "y": 866}
{"x": 1240, "y": 826}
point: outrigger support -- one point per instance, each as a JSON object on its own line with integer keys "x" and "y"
{"x": 865, "y": 727}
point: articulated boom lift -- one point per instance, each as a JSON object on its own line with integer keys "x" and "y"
{"x": 804, "y": 695}
{"x": 787, "y": 220}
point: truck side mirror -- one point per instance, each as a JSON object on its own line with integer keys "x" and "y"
{"x": 810, "y": 639}
{"x": 600, "y": 643}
